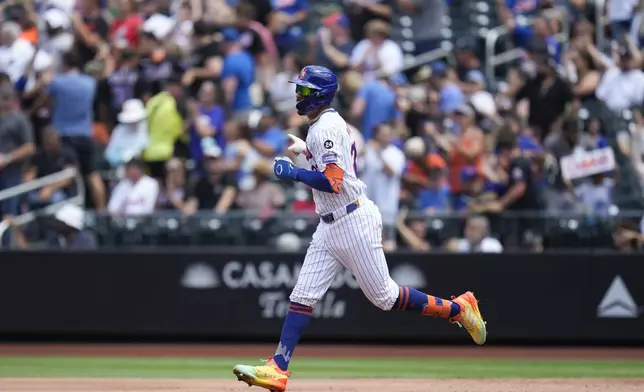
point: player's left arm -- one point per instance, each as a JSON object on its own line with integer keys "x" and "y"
{"x": 330, "y": 180}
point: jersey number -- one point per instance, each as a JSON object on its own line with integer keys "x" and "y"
{"x": 354, "y": 155}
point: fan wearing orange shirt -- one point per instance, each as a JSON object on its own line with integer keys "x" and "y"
{"x": 466, "y": 148}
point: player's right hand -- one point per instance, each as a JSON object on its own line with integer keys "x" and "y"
{"x": 284, "y": 169}
{"x": 298, "y": 147}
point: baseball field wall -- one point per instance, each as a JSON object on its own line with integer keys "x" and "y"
{"x": 236, "y": 296}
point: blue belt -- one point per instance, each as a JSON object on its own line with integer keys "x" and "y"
{"x": 330, "y": 218}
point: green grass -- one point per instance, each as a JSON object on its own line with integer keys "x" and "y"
{"x": 316, "y": 368}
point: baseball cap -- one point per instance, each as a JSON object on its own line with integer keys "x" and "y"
{"x": 469, "y": 173}
{"x": 527, "y": 144}
{"x": 483, "y": 103}
{"x": 71, "y": 215}
{"x": 475, "y": 76}
{"x": 256, "y": 115}
{"x": 230, "y": 34}
{"x": 465, "y": 44}
{"x": 212, "y": 152}
{"x": 435, "y": 161}
{"x": 336, "y": 18}
{"x": 398, "y": 79}
{"x": 436, "y": 165}
{"x": 57, "y": 19}
{"x": 439, "y": 68}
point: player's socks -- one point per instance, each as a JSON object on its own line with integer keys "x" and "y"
{"x": 427, "y": 305}
{"x": 297, "y": 319}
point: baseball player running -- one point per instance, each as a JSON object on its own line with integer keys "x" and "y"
{"x": 348, "y": 236}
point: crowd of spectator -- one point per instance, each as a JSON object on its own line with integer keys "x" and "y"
{"x": 181, "y": 105}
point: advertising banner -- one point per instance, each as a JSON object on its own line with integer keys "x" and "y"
{"x": 191, "y": 295}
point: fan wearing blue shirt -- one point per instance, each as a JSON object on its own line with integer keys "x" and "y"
{"x": 522, "y": 7}
{"x": 476, "y": 191}
{"x": 594, "y": 131}
{"x": 238, "y": 72}
{"x": 286, "y": 22}
{"x": 73, "y": 117}
{"x": 529, "y": 145}
{"x": 435, "y": 199}
{"x": 209, "y": 127}
{"x": 268, "y": 138}
{"x": 376, "y": 104}
{"x": 451, "y": 95}
{"x": 513, "y": 14}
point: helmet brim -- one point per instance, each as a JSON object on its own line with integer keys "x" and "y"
{"x": 304, "y": 83}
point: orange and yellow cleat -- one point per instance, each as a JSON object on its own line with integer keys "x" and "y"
{"x": 470, "y": 317}
{"x": 268, "y": 376}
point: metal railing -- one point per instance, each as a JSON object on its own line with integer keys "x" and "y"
{"x": 426, "y": 58}
{"x": 246, "y": 228}
{"x": 600, "y": 22}
{"x": 288, "y": 215}
{"x": 492, "y": 60}
{"x": 422, "y": 59}
{"x": 38, "y": 183}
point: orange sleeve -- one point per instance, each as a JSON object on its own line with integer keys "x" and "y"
{"x": 335, "y": 175}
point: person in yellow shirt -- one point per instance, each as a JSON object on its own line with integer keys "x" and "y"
{"x": 167, "y": 114}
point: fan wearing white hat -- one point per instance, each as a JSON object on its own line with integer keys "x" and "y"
{"x": 56, "y": 37}
{"x": 130, "y": 136}
{"x": 65, "y": 229}
{"x": 71, "y": 232}
{"x": 480, "y": 99}
{"x": 67, "y": 6}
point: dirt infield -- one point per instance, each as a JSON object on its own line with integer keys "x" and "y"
{"x": 433, "y": 385}
{"x": 328, "y": 351}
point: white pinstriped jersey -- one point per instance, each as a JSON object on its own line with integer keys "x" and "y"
{"x": 353, "y": 241}
{"x": 329, "y": 140}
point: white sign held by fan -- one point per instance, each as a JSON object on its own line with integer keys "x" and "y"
{"x": 587, "y": 163}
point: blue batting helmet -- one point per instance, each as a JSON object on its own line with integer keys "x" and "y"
{"x": 317, "y": 85}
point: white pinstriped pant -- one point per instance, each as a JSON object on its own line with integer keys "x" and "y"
{"x": 354, "y": 242}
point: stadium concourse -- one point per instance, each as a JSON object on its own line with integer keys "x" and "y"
{"x": 453, "y": 369}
